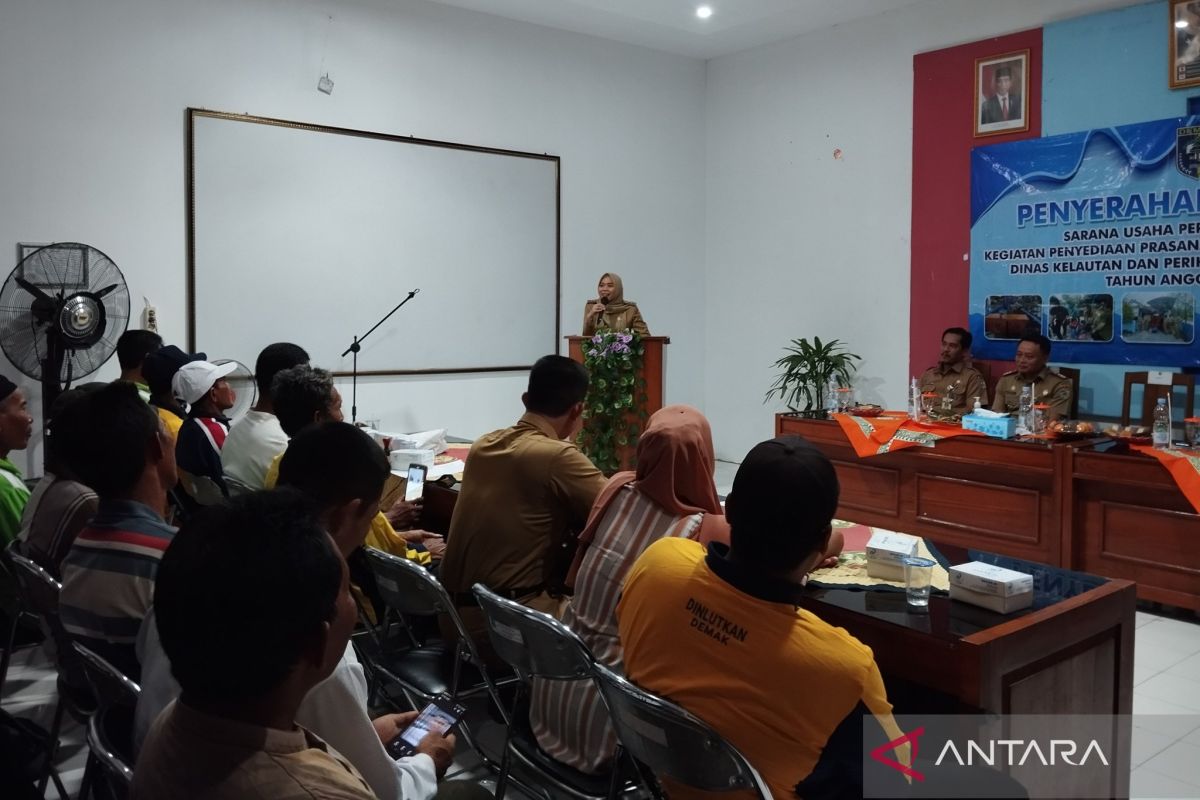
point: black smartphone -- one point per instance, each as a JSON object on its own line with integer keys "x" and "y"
{"x": 414, "y": 488}
{"x": 438, "y": 717}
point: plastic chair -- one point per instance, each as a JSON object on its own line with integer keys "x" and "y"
{"x": 536, "y": 645}
{"x": 673, "y": 743}
{"x": 202, "y": 489}
{"x": 435, "y": 670}
{"x": 39, "y": 593}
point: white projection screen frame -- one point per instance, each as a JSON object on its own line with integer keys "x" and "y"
{"x": 311, "y": 234}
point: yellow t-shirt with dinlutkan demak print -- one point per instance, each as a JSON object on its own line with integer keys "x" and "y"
{"x": 772, "y": 678}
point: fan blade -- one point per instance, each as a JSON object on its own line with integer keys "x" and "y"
{"x": 35, "y": 291}
{"x": 106, "y": 290}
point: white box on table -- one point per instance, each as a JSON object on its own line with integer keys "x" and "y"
{"x": 1000, "y": 604}
{"x": 990, "y": 579}
{"x": 886, "y": 552}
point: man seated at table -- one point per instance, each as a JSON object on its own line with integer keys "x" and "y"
{"x": 721, "y": 632}
{"x": 526, "y": 493}
{"x": 952, "y": 377}
{"x": 1049, "y": 387}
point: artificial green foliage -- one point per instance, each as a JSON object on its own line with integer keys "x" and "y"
{"x": 615, "y": 410}
{"x": 808, "y": 368}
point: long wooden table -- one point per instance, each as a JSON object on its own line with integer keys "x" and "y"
{"x": 1068, "y": 505}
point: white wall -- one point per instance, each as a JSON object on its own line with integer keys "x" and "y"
{"x": 92, "y": 150}
{"x": 799, "y": 242}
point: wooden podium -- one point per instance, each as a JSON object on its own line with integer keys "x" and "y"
{"x": 652, "y": 372}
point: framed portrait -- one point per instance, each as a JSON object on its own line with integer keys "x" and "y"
{"x": 1002, "y": 94}
{"x": 66, "y": 268}
{"x": 1185, "y": 43}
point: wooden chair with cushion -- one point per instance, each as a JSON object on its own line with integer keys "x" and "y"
{"x": 1150, "y": 394}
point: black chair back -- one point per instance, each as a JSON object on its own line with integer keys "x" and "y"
{"x": 109, "y": 684}
{"x": 116, "y": 776}
{"x": 533, "y": 643}
{"x": 672, "y": 742}
{"x": 407, "y": 587}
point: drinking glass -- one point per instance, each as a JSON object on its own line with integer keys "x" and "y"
{"x": 845, "y": 398}
{"x": 1191, "y": 428}
{"x": 928, "y": 401}
{"x": 918, "y": 578}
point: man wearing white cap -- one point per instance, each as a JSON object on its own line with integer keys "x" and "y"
{"x": 202, "y": 385}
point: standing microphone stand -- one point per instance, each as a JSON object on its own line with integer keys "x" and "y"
{"x": 357, "y": 345}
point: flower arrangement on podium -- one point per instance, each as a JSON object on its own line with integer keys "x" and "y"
{"x": 615, "y": 408}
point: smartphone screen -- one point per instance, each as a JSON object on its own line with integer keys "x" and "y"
{"x": 414, "y": 489}
{"x": 434, "y": 718}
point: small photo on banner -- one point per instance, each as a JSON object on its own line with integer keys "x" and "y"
{"x": 1091, "y": 239}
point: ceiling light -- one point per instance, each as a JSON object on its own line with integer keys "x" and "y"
{"x": 704, "y": 12}
{"x": 1179, "y": 23}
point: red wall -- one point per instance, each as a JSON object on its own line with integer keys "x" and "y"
{"x": 943, "y": 116}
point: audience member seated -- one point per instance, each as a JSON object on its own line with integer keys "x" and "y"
{"x": 108, "y": 575}
{"x": 671, "y": 494}
{"x": 60, "y": 505}
{"x": 198, "y": 448}
{"x": 721, "y": 633}
{"x": 526, "y": 493}
{"x": 304, "y": 395}
{"x": 132, "y": 348}
{"x": 340, "y": 471}
{"x": 257, "y": 438}
{"x": 246, "y": 651}
{"x": 16, "y": 426}
{"x": 160, "y": 368}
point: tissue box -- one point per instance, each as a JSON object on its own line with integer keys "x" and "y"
{"x": 886, "y": 552}
{"x": 400, "y": 459}
{"x": 996, "y": 427}
{"x": 1001, "y": 605}
{"x": 990, "y": 579}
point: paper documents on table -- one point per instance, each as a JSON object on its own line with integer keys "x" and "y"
{"x": 449, "y": 468}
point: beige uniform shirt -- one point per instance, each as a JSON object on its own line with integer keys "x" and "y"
{"x": 615, "y": 321}
{"x": 196, "y": 755}
{"x": 1048, "y": 387}
{"x": 962, "y": 383}
{"x": 524, "y": 493}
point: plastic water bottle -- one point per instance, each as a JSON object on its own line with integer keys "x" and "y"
{"x": 1026, "y": 418}
{"x": 1160, "y": 433}
{"x": 914, "y": 400}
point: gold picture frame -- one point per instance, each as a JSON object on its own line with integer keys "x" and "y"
{"x": 1002, "y": 106}
{"x": 1184, "y": 47}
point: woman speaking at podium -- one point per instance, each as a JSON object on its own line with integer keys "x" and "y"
{"x": 611, "y": 311}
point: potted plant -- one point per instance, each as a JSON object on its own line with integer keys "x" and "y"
{"x": 807, "y": 370}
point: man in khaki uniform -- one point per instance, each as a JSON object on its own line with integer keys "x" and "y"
{"x": 952, "y": 377}
{"x": 1048, "y": 386}
{"x": 526, "y": 493}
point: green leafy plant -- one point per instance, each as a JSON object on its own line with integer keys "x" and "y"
{"x": 807, "y": 369}
{"x": 615, "y": 408}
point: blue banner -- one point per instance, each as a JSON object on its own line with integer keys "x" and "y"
{"x": 1091, "y": 239}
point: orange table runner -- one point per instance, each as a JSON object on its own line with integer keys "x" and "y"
{"x": 894, "y": 431}
{"x": 1184, "y": 466}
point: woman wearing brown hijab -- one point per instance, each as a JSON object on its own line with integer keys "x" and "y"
{"x": 611, "y": 311}
{"x": 671, "y": 494}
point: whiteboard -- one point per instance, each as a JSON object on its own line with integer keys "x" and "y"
{"x": 311, "y": 234}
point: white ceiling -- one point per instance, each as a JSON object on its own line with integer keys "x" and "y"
{"x": 672, "y": 25}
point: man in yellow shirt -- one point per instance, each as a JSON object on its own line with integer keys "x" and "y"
{"x": 526, "y": 493}
{"x": 721, "y": 632}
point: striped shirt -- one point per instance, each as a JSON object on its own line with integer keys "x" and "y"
{"x": 568, "y": 717}
{"x": 108, "y": 577}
